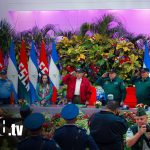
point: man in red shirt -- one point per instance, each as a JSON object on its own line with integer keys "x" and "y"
{"x": 78, "y": 87}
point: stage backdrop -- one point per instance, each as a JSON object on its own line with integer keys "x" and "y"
{"x": 135, "y": 21}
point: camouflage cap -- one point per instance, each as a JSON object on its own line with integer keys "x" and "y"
{"x": 140, "y": 112}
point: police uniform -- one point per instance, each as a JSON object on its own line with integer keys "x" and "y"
{"x": 36, "y": 142}
{"x": 71, "y": 137}
{"x": 142, "y": 89}
{"x": 6, "y": 88}
{"x": 116, "y": 87}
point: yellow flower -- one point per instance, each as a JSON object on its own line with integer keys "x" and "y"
{"x": 81, "y": 57}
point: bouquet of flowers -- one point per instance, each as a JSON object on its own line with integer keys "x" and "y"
{"x": 82, "y": 120}
{"x": 142, "y": 105}
{"x": 98, "y": 104}
{"x": 51, "y": 124}
{"x": 22, "y": 102}
{"x": 130, "y": 117}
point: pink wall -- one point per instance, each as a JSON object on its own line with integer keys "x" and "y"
{"x": 135, "y": 21}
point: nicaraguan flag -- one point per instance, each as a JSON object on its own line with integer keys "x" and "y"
{"x": 12, "y": 72}
{"x": 53, "y": 67}
{"x": 146, "y": 57}
{"x": 33, "y": 73}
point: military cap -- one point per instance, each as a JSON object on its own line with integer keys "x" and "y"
{"x": 144, "y": 70}
{"x": 79, "y": 70}
{"x": 140, "y": 112}
{"x": 112, "y": 71}
{"x": 110, "y": 97}
{"x": 70, "y": 111}
{"x": 34, "y": 121}
{"x": 3, "y": 72}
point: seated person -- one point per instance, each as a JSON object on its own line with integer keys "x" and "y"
{"x": 44, "y": 91}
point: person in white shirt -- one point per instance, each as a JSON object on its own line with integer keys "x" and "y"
{"x": 78, "y": 87}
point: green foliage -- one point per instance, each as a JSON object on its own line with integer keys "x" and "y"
{"x": 103, "y": 52}
{"x": 6, "y": 32}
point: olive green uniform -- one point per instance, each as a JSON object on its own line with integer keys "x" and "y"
{"x": 142, "y": 89}
{"x": 115, "y": 87}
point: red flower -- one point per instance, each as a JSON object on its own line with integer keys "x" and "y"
{"x": 45, "y": 125}
{"x": 85, "y": 116}
{"x": 56, "y": 116}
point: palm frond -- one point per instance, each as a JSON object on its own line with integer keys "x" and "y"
{"x": 84, "y": 28}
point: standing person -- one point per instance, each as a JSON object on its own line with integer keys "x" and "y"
{"x": 78, "y": 87}
{"x": 107, "y": 128}
{"x": 44, "y": 91}
{"x": 138, "y": 135}
{"x": 71, "y": 137}
{"x": 141, "y": 81}
{"x": 6, "y": 88}
{"x": 34, "y": 123}
{"x": 114, "y": 85}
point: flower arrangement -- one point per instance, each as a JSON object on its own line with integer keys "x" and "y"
{"x": 99, "y": 53}
{"x": 54, "y": 122}
{"x": 130, "y": 117}
{"x": 98, "y": 104}
{"x": 141, "y": 105}
{"x": 22, "y": 102}
{"x": 82, "y": 120}
{"x": 51, "y": 124}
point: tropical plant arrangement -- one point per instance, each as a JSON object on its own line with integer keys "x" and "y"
{"x": 97, "y": 46}
{"x": 98, "y": 54}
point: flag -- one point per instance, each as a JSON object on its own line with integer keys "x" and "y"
{"x": 53, "y": 67}
{"x": 12, "y": 72}
{"x": 23, "y": 82}
{"x": 1, "y": 60}
{"x": 33, "y": 73}
{"x": 146, "y": 57}
{"x": 43, "y": 64}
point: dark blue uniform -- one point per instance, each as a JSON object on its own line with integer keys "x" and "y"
{"x": 37, "y": 143}
{"x": 107, "y": 130}
{"x": 71, "y": 137}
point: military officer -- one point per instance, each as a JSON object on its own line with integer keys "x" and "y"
{"x": 34, "y": 123}
{"x": 141, "y": 81}
{"x": 71, "y": 137}
{"x": 114, "y": 85}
